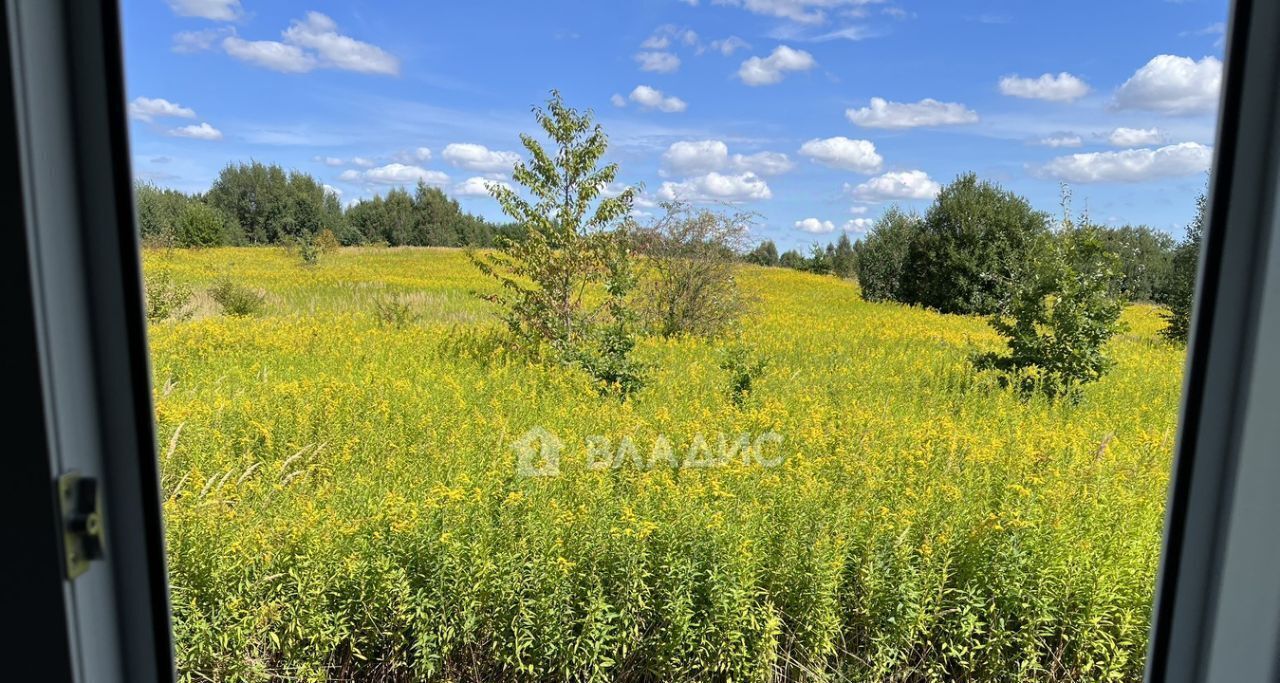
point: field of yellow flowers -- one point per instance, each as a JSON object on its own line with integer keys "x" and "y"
{"x": 344, "y": 501}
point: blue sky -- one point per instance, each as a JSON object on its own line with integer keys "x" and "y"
{"x": 815, "y": 114}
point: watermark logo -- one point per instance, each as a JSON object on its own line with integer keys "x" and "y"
{"x": 539, "y": 452}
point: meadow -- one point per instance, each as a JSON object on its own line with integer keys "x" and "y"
{"x": 343, "y": 500}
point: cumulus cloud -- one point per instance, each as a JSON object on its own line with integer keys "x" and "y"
{"x": 800, "y": 11}
{"x": 701, "y": 156}
{"x": 395, "y": 174}
{"x": 769, "y": 70}
{"x": 1131, "y": 165}
{"x": 478, "y": 157}
{"x": 652, "y": 98}
{"x": 1173, "y": 85}
{"x": 330, "y": 161}
{"x": 361, "y": 161}
{"x": 896, "y": 185}
{"x": 696, "y": 156}
{"x": 728, "y": 46}
{"x": 1060, "y": 140}
{"x": 198, "y": 41}
{"x": 927, "y": 112}
{"x": 329, "y": 189}
{"x": 201, "y": 132}
{"x": 478, "y": 186}
{"x": 815, "y": 226}
{"x": 762, "y": 163}
{"x": 270, "y": 54}
{"x": 148, "y": 109}
{"x": 1135, "y": 137}
{"x": 313, "y": 42}
{"x": 1063, "y": 87}
{"x": 658, "y": 62}
{"x": 858, "y": 224}
{"x": 717, "y": 187}
{"x": 841, "y": 152}
{"x": 217, "y": 10}
{"x": 669, "y": 34}
{"x": 618, "y": 100}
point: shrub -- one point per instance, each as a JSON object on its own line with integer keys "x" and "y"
{"x": 973, "y": 240}
{"x": 693, "y": 255}
{"x": 881, "y": 256}
{"x": 327, "y": 242}
{"x": 236, "y": 299}
{"x": 1061, "y": 312}
{"x": 743, "y": 367}
{"x": 393, "y": 311}
{"x": 200, "y": 225}
{"x": 1181, "y": 293}
{"x": 165, "y": 297}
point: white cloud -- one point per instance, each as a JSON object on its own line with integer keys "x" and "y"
{"x": 198, "y": 41}
{"x": 815, "y": 226}
{"x": 422, "y": 153}
{"x": 841, "y": 152}
{"x": 896, "y": 185}
{"x": 696, "y": 156}
{"x": 218, "y": 10}
{"x": 618, "y": 100}
{"x": 270, "y": 54}
{"x": 716, "y": 187}
{"x": 147, "y": 109}
{"x": 320, "y": 33}
{"x": 329, "y": 189}
{"x": 478, "y": 157}
{"x": 858, "y": 225}
{"x": 1061, "y": 140}
{"x": 362, "y": 161}
{"x": 310, "y": 43}
{"x": 859, "y": 209}
{"x": 1173, "y": 85}
{"x": 1131, "y": 165}
{"x": 769, "y": 70}
{"x": 477, "y": 186}
{"x": 927, "y": 112}
{"x": 702, "y": 156}
{"x": 762, "y": 163}
{"x": 1135, "y": 137}
{"x": 658, "y": 62}
{"x": 728, "y": 46}
{"x": 801, "y": 11}
{"x": 651, "y": 98}
{"x": 395, "y": 174}
{"x": 201, "y": 132}
{"x": 1063, "y": 87}
{"x": 330, "y": 161}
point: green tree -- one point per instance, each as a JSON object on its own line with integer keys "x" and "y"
{"x": 974, "y": 238}
{"x": 1181, "y": 291}
{"x": 572, "y": 245}
{"x": 1146, "y": 260}
{"x": 765, "y": 254}
{"x": 1061, "y": 312}
{"x": 881, "y": 256}
{"x": 200, "y": 225}
{"x": 793, "y": 259}
{"x": 843, "y": 260}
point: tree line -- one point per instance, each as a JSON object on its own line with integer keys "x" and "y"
{"x": 260, "y": 204}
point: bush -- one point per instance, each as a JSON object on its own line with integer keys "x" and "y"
{"x": 236, "y": 299}
{"x": 200, "y": 225}
{"x": 1061, "y": 312}
{"x": 743, "y": 367}
{"x": 881, "y": 256}
{"x": 327, "y": 242}
{"x": 165, "y": 297}
{"x": 693, "y": 255}
{"x": 393, "y": 311}
{"x": 973, "y": 240}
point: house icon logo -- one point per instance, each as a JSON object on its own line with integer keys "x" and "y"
{"x": 538, "y": 453}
